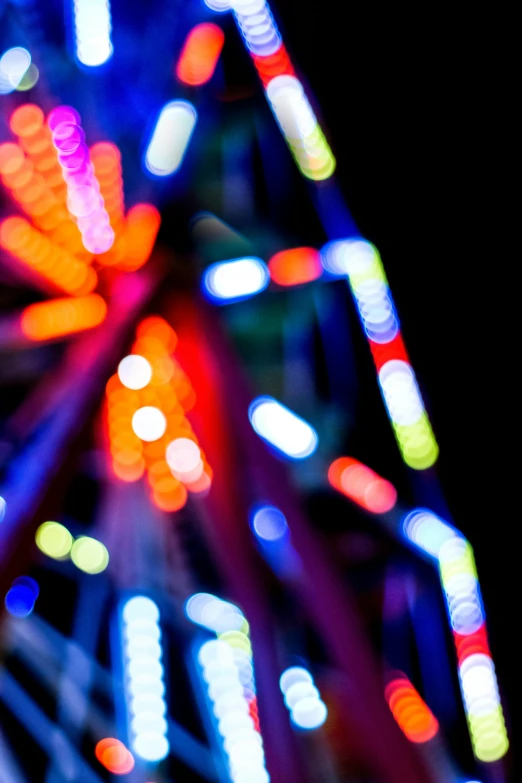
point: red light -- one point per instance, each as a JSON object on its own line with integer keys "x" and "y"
{"x": 362, "y": 485}
{"x": 383, "y": 353}
{"x": 296, "y": 266}
{"x": 472, "y": 643}
{"x": 277, "y": 64}
{"x": 200, "y": 54}
{"x": 114, "y": 756}
{"x": 410, "y": 711}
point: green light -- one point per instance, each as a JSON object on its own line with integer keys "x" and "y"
{"x": 54, "y": 540}
{"x": 89, "y": 555}
{"x": 417, "y": 443}
{"x": 29, "y": 79}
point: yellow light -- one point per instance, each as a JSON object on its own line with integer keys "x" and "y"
{"x": 54, "y": 540}
{"x": 89, "y": 555}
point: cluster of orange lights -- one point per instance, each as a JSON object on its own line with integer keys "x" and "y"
{"x": 272, "y": 65}
{"x": 169, "y": 392}
{"x": 51, "y": 244}
{"x": 200, "y": 53}
{"x": 54, "y": 263}
{"x": 58, "y": 317}
{"x": 114, "y": 756}
{"x": 362, "y": 485}
{"x": 296, "y": 266}
{"x": 410, "y": 711}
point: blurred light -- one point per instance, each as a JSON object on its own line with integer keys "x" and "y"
{"x": 144, "y": 678}
{"x": 269, "y": 523}
{"x": 183, "y": 457}
{"x": 142, "y": 226}
{"x": 92, "y": 29}
{"x": 362, "y": 485}
{"x": 235, "y": 280}
{"x": 213, "y": 613}
{"x": 29, "y": 79}
{"x": 302, "y": 698}
{"x": 410, "y": 711}
{"x": 256, "y": 25}
{"x": 170, "y": 139}
{"x": 89, "y": 555}
{"x": 114, "y": 756}
{"x": 14, "y": 64}
{"x": 59, "y": 317}
{"x": 149, "y": 423}
{"x": 218, "y": 5}
{"x": 106, "y": 160}
{"x": 300, "y": 128}
{"x": 282, "y": 428}
{"x": 272, "y": 65}
{"x": 295, "y": 267}
{"x": 200, "y": 53}
{"x": 134, "y": 372}
{"x": 54, "y": 540}
{"x": 3, "y": 508}
{"x": 21, "y": 596}
{"x": 483, "y": 708}
{"x": 427, "y": 531}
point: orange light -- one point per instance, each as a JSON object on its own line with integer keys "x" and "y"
{"x": 27, "y": 120}
{"x": 11, "y": 158}
{"x": 58, "y": 317}
{"x": 362, "y": 485}
{"x": 106, "y": 159}
{"x": 114, "y": 756}
{"x": 296, "y": 266}
{"x": 36, "y": 251}
{"x": 410, "y": 711}
{"x": 143, "y": 222}
{"x": 200, "y": 53}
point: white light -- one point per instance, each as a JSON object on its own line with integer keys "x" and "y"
{"x": 140, "y": 608}
{"x": 3, "y": 508}
{"x": 182, "y": 456}
{"x": 269, "y": 523}
{"x": 348, "y": 257}
{"x": 92, "y": 28}
{"x": 170, "y": 138}
{"x": 14, "y": 64}
{"x": 134, "y": 371}
{"x": 309, "y": 713}
{"x": 151, "y": 746}
{"x": 282, "y": 428}
{"x": 293, "y": 675}
{"x": 236, "y": 279}
{"x": 213, "y": 613}
{"x": 401, "y": 393}
{"x": 149, "y": 423}
{"x": 257, "y": 26}
{"x": 298, "y": 691}
{"x": 427, "y": 531}
{"x": 215, "y": 651}
{"x": 218, "y": 5}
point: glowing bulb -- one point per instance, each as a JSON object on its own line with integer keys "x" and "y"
{"x": 14, "y": 64}
{"x": 427, "y": 531}
{"x": 92, "y": 27}
{"x": 231, "y": 281}
{"x": 269, "y": 523}
{"x": 278, "y": 425}
{"x": 134, "y": 372}
{"x": 89, "y": 555}
{"x": 21, "y": 597}
{"x": 149, "y": 423}
{"x": 54, "y": 540}
{"x": 170, "y": 139}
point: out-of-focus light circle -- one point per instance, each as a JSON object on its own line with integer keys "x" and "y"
{"x": 149, "y": 423}
{"x": 21, "y": 597}
{"x": 170, "y": 139}
{"x": 230, "y": 281}
{"x": 151, "y": 746}
{"x": 14, "y": 64}
{"x": 89, "y": 555}
{"x": 215, "y": 651}
{"x": 29, "y": 79}
{"x": 427, "y": 531}
{"x": 140, "y": 608}
{"x": 292, "y": 676}
{"x": 348, "y": 256}
{"x": 269, "y": 523}
{"x": 218, "y": 5}
{"x": 3, "y": 507}
{"x": 309, "y": 713}
{"x": 134, "y": 371}
{"x": 298, "y": 691}
{"x": 182, "y": 455}
{"x": 118, "y": 760}
{"x": 284, "y": 429}
{"x": 54, "y": 540}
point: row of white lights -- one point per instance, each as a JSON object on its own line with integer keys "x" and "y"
{"x": 92, "y": 31}
{"x": 144, "y": 679}
{"x": 307, "y": 709}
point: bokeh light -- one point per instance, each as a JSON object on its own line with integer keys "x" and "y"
{"x": 14, "y": 64}
{"x": 362, "y": 485}
{"x": 54, "y": 540}
{"x": 149, "y": 423}
{"x": 92, "y": 31}
{"x": 282, "y": 428}
{"x": 89, "y": 555}
{"x": 3, "y": 508}
{"x": 295, "y": 267}
{"x": 170, "y": 138}
{"x": 114, "y": 756}
{"x": 410, "y": 711}
{"x": 269, "y": 524}
{"x": 302, "y": 698}
{"x": 200, "y": 54}
{"x": 231, "y": 281}
{"x": 21, "y": 596}
{"x": 134, "y": 372}
{"x": 60, "y": 317}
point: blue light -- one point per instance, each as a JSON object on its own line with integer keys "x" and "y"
{"x": 92, "y": 29}
{"x": 14, "y": 64}
{"x": 3, "y": 508}
{"x": 269, "y": 524}
{"x": 21, "y": 597}
{"x": 283, "y": 429}
{"x": 232, "y": 281}
{"x": 427, "y": 531}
